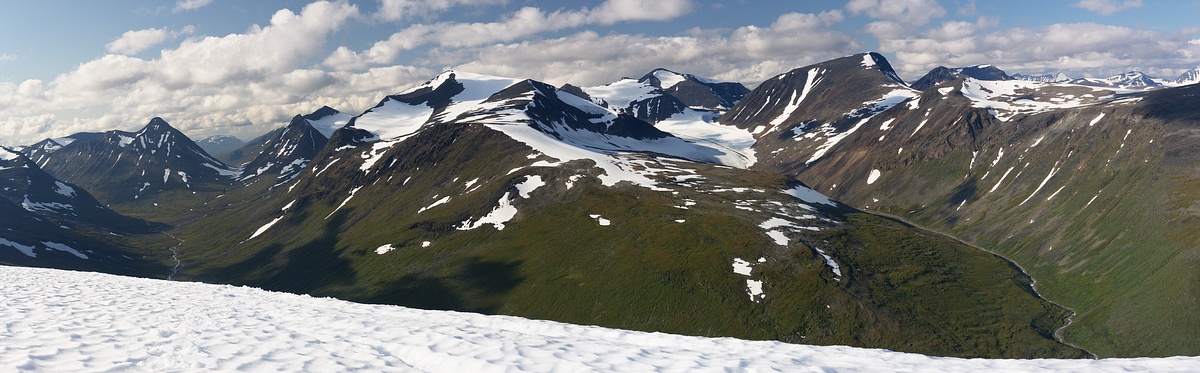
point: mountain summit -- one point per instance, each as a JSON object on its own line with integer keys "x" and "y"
{"x": 943, "y": 74}
{"x": 697, "y": 92}
{"x": 462, "y": 193}
{"x": 123, "y": 167}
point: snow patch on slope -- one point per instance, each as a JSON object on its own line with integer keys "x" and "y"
{"x": 64, "y": 248}
{"x": 873, "y": 176}
{"x": 807, "y": 194}
{"x": 24, "y": 249}
{"x": 63, "y": 189}
{"x": 330, "y": 123}
{"x": 502, "y": 213}
{"x": 113, "y": 323}
{"x": 809, "y": 82}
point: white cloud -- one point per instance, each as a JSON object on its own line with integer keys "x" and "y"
{"x": 1078, "y": 48}
{"x": 203, "y": 84}
{"x": 132, "y": 42}
{"x": 1107, "y": 7}
{"x": 395, "y": 10}
{"x": 186, "y": 5}
{"x": 613, "y": 11}
{"x": 520, "y": 24}
{"x": 7, "y": 57}
{"x": 748, "y": 54}
{"x": 242, "y": 83}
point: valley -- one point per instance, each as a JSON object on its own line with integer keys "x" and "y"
{"x": 792, "y": 212}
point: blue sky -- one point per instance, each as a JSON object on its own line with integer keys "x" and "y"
{"x": 243, "y": 67}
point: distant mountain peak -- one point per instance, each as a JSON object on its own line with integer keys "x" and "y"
{"x": 942, "y": 74}
{"x": 156, "y": 124}
{"x": 324, "y": 111}
{"x": 1189, "y": 77}
{"x": 1130, "y": 80}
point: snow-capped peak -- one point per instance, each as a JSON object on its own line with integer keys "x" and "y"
{"x": 877, "y": 61}
{"x": 443, "y": 98}
{"x": 156, "y": 125}
{"x": 1131, "y": 79}
{"x": 619, "y": 94}
{"x": 476, "y": 86}
{"x": 326, "y": 120}
{"x": 1189, "y": 77}
{"x": 668, "y": 78}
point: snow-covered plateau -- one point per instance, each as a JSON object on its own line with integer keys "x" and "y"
{"x": 62, "y": 321}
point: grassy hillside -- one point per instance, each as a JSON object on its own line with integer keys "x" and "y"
{"x": 1100, "y": 209}
{"x": 665, "y": 261}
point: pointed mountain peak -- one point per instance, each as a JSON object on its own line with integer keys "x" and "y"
{"x": 405, "y": 113}
{"x": 156, "y": 126}
{"x": 1189, "y": 77}
{"x": 1131, "y": 79}
{"x": 157, "y": 122}
{"x": 663, "y": 78}
{"x": 942, "y": 74}
{"x": 984, "y": 72}
{"x": 878, "y": 61}
{"x": 299, "y": 121}
{"x": 462, "y": 77}
{"x": 327, "y": 120}
{"x": 324, "y": 111}
{"x": 575, "y": 90}
{"x": 46, "y": 145}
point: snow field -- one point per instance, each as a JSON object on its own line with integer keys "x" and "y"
{"x": 86, "y": 322}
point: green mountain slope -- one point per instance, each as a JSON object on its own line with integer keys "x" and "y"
{"x": 576, "y": 250}
{"x": 504, "y": 196}
{"x": 1092, "y": 193}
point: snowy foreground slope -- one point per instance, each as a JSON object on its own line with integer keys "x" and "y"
{"x": 60, "y": 321}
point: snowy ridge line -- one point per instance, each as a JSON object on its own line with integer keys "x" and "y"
{"x": 129, "y": 324}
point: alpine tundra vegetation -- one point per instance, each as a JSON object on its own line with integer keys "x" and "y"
{"x": 785, "y": 189}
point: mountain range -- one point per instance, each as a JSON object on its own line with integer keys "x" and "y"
{"x": 792, "y": 212}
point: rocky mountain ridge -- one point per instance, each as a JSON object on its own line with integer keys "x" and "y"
{"x": 462, "y": 192}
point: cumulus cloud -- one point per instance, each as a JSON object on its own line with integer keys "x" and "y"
{"x": 395, "y": 10}
{"x": 1107, "y": 7}
{"x": 1072, "y": 47}
{"x": 748, "y": 54}
{"x": 7, "y": 57}
{"x": 520, "y": 24}
{"x": 132, "y": 42}
{"x": 200, "y": 85}
{"x": 243, "y": 83}
{"x": 613, "y": 11}
{"x": 186, "y": 5}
